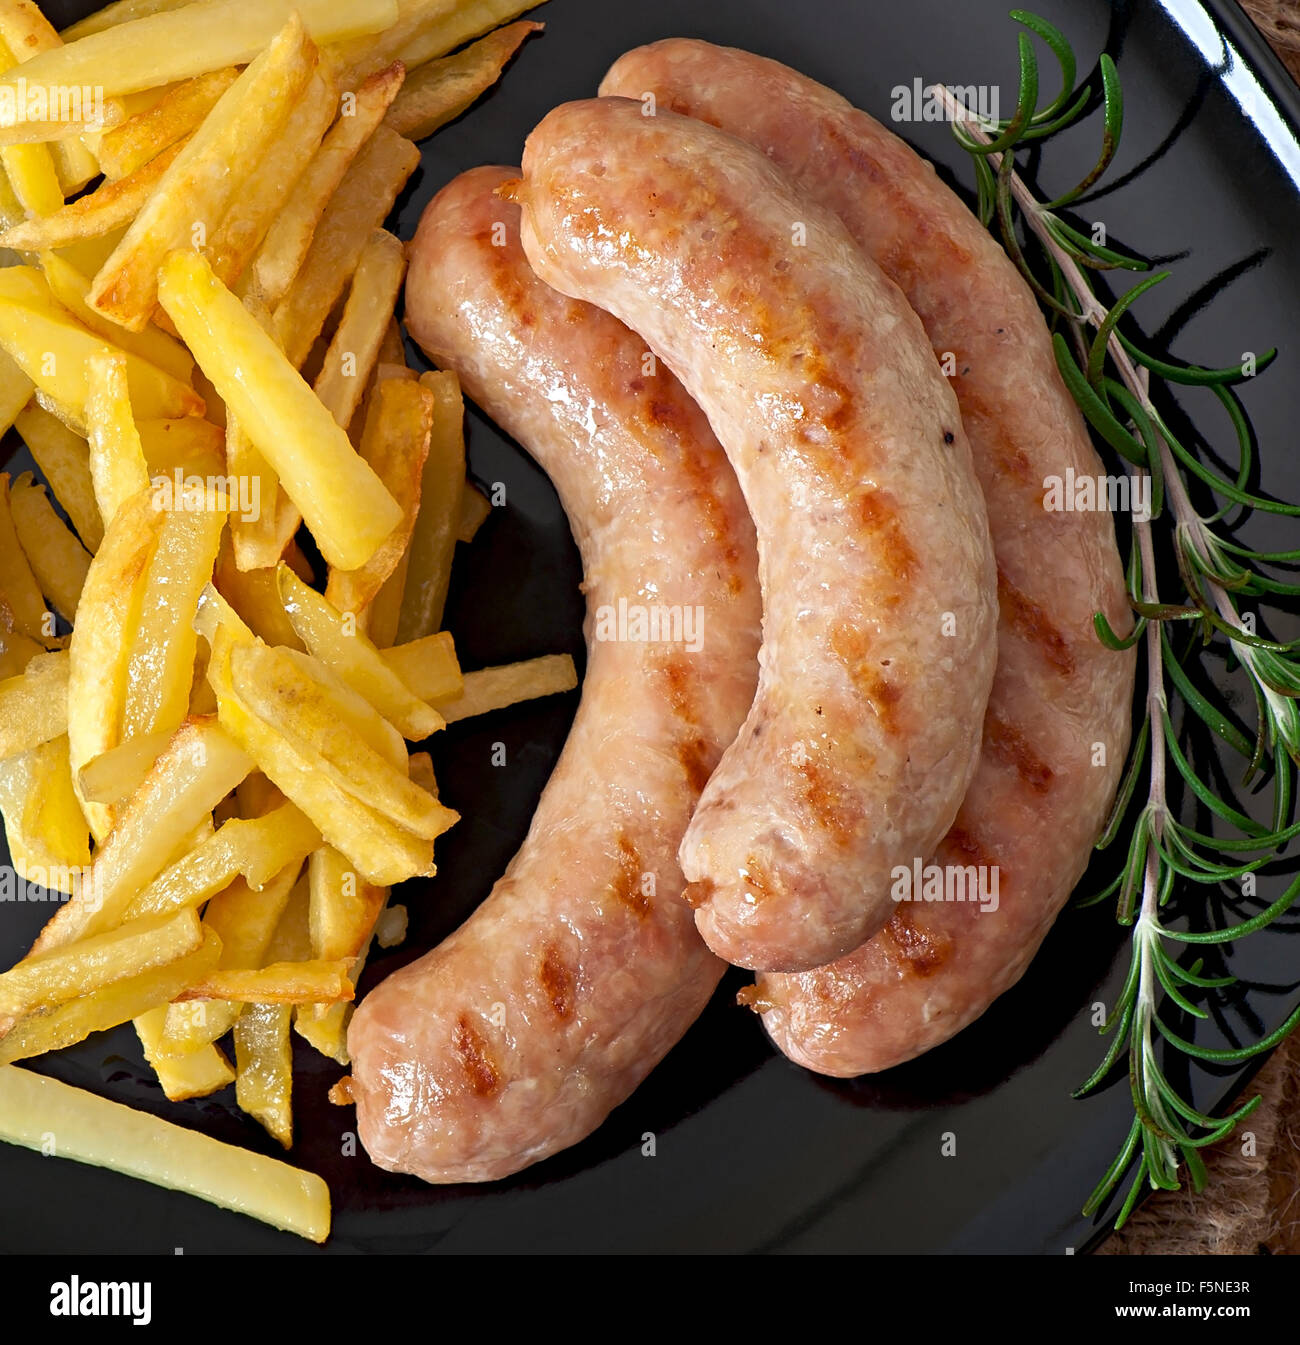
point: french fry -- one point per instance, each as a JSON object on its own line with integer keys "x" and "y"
{"x": 255, "y": 595}
{"x": 131, "y": 997}
{"x": 27, "y": 33}
{"x": 89, "y": 254}
{"x": 281, "y": 688}
{"x": 390, "y": 928}
{"x": 455, "y": 26}
{"x": 161, "y": 667}
{"x": 264, "y": 1068}
{"x": 16, "y": 649}
{"x": 166, "y": 47}
{"x": 30, "y": 168}
{"x": 291, "y": 941}
{"x": 433, "y": 540}
{"x": 382, "y": 851}
{"x": 343, "y": 909}
{"x": 396, "y": 443}
{"x": 178, "y": 113}
{"x": 495, "y": 688}
{"x": 15, "y": 391}
{"x": 112, "y": 778}
{"x": 191, "y": 443}
{"x": 325, "y": 632}
{"x": 252, "y": 849}
{"x": 90, "y": 1129}
{"x": 110, "y": 206}
{"x": 45, "y": 980}
{"x": 428, "y": 667}
{"x": 201, "y": 765}
{"x": 281, "y": 983}
{"x": 34, "y": 705}
{"x": 273, "y": 181}
{"x": 58, "y": 559}
{"x": 425, "y": 30}
{"x": 440, "y": 91}
{"x": 18, "y": 587}
{"x": 70, "y": 287}
{"x": 119, "y": 12}
{"x": 51, "y": 347}
{"x": 244, "y": 920}
{"x": 343, "y": 501}
{"x": 287, "y": 241}
{"x": 102, "y": 640}
{"x": 192, "y": 1074}
{"x": 380, "y": 619}
{"x": 117, "y": 467}
{"x": 64, "y": 461}
{"x": 205, "y": 176}
{"x": 392, "y": 350}
{"x": 355, "y": 345}
{"x": 45, "y": 831}
{"x": 474, "y": 510}
{"x": 364, "y": 198}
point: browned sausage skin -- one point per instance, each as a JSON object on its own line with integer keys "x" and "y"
{"x": 518, "y": 1035}
{"x": 879, "y": 586}
{"x": 1057, "y": 727}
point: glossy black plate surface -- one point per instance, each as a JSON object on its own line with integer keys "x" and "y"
{"x": 752, "y": 1153}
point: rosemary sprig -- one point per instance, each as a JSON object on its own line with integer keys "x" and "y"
{"x": 1111, "y": 378}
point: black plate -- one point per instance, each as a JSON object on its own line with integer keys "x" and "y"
{"x": 751, "y": 1152}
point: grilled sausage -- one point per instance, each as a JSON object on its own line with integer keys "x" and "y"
{"x": 877, "y": 571}
{"x": 1057, "y": 727}
{"x": 518, "y": 1035}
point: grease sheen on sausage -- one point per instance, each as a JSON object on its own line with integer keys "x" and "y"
{"x": 518, "y": 1035}
{"x": 1057, "y": 727}
{"x": 878, "y": 579}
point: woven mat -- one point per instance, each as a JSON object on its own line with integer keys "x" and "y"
{"x": 1252, "y": 1201}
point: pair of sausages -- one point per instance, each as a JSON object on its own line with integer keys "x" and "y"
{"x": 762, "y": 249}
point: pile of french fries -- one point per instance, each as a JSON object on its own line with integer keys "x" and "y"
{"x": 198, "y": 346}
